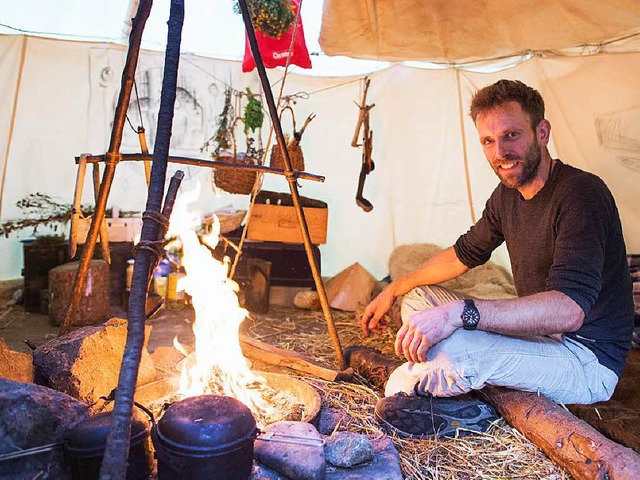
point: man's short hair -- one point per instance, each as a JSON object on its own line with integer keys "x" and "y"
{"x": 504, "y": 91}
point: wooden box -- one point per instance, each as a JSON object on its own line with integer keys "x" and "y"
{"x": 123, "y": 229}
{"x": 278, "y": 223}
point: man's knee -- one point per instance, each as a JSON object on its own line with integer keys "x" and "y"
{"x": 425, "y": 297}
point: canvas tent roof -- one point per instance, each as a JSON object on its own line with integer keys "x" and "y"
{"x": 394, "y": 30}
{"x": 430, "y": 179}
{"x": 466, "y": 30}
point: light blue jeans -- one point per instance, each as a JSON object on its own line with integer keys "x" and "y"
{"x": 565, "y": 371}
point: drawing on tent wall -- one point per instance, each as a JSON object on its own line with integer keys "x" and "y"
{"x": 188, "y": 120}
{"x": 197, "y": 98}
{"x": 620, "y": 131}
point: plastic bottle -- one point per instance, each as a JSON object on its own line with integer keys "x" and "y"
{"x": 175, "y": 298}
{"x": 129, "y": 274}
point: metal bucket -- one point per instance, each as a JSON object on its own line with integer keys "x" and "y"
{"x": 208, "y": 436}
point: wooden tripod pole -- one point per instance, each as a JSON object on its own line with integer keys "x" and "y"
{"x": 291, "y": 179}
{"x": 147, "y": 253}
{"x": 112, "y": 159}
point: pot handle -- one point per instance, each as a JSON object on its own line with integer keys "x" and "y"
{"x": 110, "y": 398}
{"x": 147, "y": 411}
{"x": 293, "y": 439}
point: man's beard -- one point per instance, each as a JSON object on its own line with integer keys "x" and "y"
{"x": 530, "y": 165}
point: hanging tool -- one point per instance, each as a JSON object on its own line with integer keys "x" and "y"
{"x": 76, "y": 212}
{"x": 144, "y": 149}
{"x": 367, "y": 165}
{"x": 104, "y": 240}
{"x": 297, "y": 135}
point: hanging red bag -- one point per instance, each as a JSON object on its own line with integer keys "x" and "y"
{"x": 274, "y": 51}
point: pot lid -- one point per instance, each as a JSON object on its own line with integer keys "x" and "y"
{"x": 91, "y": 434}
{"x": 206, "y": 423}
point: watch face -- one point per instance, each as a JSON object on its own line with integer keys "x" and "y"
{"x": 470, "y": 315}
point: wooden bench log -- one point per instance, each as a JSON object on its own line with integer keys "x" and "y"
{"x": 567, "y": 440}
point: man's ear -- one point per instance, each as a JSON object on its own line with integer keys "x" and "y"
{"x": 543, "y": 132}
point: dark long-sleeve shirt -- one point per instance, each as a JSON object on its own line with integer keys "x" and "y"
{"x": 567, "y": 238}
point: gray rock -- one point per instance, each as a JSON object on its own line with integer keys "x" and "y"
{"x": 385, "y": 465}
{"x": 260, "y": 472}
{"x": 330, "y": 418}
{"x": 86, "y": 362}
{"x": 348, "y": 449}
{"x": 14, "y": 365}
{"x": 33, "y": 416}
{"x": 292, "y": 449}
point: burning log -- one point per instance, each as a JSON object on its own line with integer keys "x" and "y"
{"x": 568, "y": 441}
{"x": 257, "y": 350}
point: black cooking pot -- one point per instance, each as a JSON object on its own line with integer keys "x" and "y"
{"x": 85, "y": 445}
{"x": 208, "y": 436}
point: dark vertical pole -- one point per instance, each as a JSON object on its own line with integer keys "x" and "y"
{"x": 113, "y": 156}
{"x": 291, "y": 178}
{"x": 114, "y": 465}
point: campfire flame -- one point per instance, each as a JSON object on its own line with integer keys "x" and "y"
{"x": 217, "y": 365}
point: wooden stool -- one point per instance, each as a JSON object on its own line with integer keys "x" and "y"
{"x": 94, "y": 306}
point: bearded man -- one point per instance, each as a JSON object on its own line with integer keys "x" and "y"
{"x": 568, "y": 333}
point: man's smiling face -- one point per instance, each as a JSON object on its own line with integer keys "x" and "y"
{"x": 510, "y": 144}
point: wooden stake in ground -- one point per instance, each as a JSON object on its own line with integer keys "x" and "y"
{"x": 567, "y": 440}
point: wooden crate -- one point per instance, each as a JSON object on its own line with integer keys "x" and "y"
{"x": 123, "y": 229}
{"x": 277, "y": 223}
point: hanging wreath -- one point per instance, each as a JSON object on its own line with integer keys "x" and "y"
{"x": 271, "y": 17}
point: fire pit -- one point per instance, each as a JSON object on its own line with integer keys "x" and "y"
{"x": 211, "y": 436}
{"x": 164, "y": 391}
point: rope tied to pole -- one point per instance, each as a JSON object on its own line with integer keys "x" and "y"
{"x": 155, "y": 247}
{"x": 159, "y": 218}
{"x": 112, "y": 158}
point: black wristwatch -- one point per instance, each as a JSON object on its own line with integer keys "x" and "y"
{"x": 470, "y": 315}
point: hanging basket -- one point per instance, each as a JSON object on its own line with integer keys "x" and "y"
{"x": 293, "y": 147}
{"x": 235, "y": 180}
{"x": 295, "y": 154}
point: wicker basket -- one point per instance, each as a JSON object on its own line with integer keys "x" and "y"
{"x": 293, "y": 147}
{"x": 295, "y": 154}
{"x": 228, "y": 221}
{"x": 235, "y": 180}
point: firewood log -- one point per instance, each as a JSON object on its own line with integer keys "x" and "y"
{"x": 567, "y": 440}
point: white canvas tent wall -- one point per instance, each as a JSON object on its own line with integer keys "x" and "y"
{"x": 59, "y": 97}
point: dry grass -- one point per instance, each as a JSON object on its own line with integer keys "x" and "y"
{"x": 501, "y": 453}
